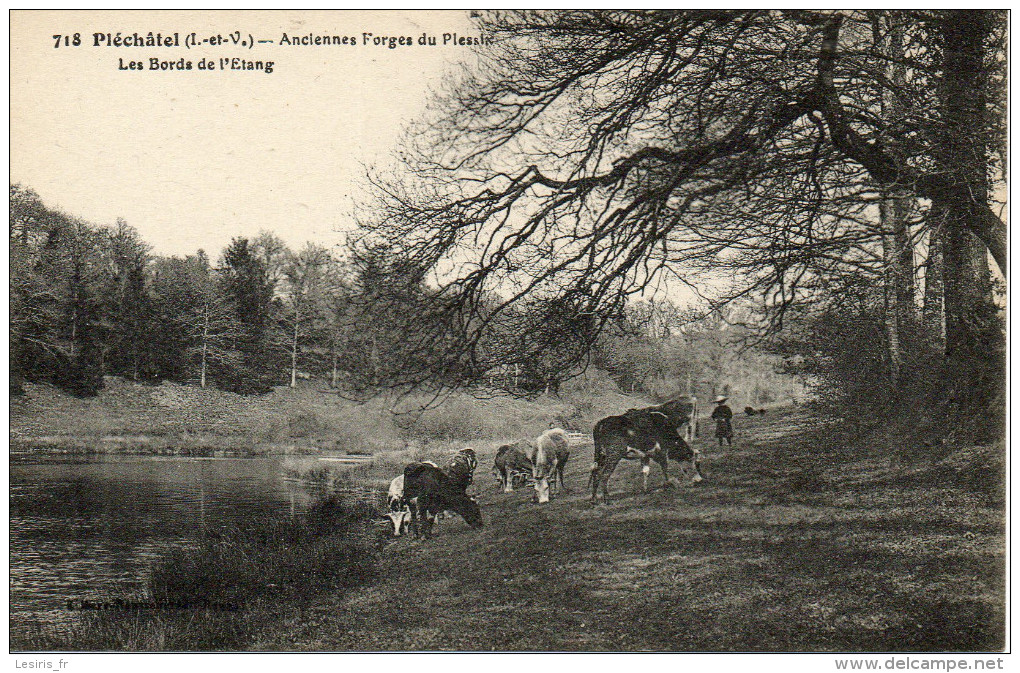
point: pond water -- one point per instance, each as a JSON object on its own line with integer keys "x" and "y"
{"x": 91, "y": 528}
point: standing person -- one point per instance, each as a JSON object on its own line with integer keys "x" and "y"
{"x": 723, "y": 417}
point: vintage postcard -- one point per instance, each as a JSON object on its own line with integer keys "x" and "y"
{"x": 509, "y": 331}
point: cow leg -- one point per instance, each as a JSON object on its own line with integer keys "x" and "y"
{"x": 603, "y": 480}
{"x": 428, "y": 514}
{"x": 397, "y": 519}
{"x": 696, "y": 467}
{"x": 413, "y": 526}
{"x": 645, "y": 469}
{"x": 561, "y": 467}
{"x": 664, "y": 464}
{"x": 508, "y": 482}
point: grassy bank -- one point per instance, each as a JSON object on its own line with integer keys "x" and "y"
{"x": 172, "y": 418}
{"x": 794, "y": 542}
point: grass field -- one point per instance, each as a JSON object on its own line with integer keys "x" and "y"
{"x": 788, "y": 545}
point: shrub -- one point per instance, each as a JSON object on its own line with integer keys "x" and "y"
{"x": 937, "y": 400}
{"x": 456, "y": 418}
{"x": 304, "y": 424}
{"x": 328, "y": 548}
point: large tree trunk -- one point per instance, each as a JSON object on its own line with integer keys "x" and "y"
{"x": 964, "y": 277}
{"x": 895, "y": 204}
{"x": 965, "y": 267}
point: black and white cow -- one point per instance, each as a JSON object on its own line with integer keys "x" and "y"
{"x": 398, "y": 512}
{"x": 682, "y": 414}
{"x": 428, "y": 491}
{"x": 644, "y": 435}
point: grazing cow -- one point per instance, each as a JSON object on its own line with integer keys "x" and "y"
{"x": 762, "y": 411}
{"x": 512, "y": 466}
{"x": 462, "y": 468}
{"x": 639, "y": 434}
{"x": 429, "y": 491}
{"x": 399, "y": 511}
{"x": 750, "y": 411}
{"x": 548, "y": 459}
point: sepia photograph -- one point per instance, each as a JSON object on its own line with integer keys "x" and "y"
{"x": 561, "y": 331}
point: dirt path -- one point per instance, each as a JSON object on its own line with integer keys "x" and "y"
{"x": 783, "y": 547}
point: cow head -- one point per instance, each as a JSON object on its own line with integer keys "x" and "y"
{"x": 399, "y": 520}
{"x": 543, "y": 465}
{"x": 679, "y": 450}
{"x": 468, "y": 454}
{"x": 468, "y": 508}
{"x": 542, "y": 488}
{"x": 690, "y": 462}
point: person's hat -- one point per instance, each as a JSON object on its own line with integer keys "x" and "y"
{"x": 721, "y": 398}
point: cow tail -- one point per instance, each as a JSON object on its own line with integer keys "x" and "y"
{"x": 594, "y": 474}
{"x": 596, "y": 460}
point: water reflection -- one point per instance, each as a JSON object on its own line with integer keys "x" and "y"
{"x": 91, "y": 529}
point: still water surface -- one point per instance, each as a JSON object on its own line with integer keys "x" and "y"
{"x": 91, "y": 528}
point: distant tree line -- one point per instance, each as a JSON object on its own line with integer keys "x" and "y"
{"x": 90, "y": 300}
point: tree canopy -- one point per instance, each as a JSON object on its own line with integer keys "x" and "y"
{"x": 592, "y": 154}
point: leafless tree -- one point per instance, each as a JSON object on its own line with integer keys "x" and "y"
{"x": 303, "y": 286}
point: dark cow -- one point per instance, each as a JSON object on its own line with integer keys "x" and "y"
{"x": 428, "y": 491}
{"x": 512, "y": 466}
{"x": 750, "y": 411}
{"x": 642, "y": 435}
{"x": 462, "y": 468}
{"x": 682, "y": 413}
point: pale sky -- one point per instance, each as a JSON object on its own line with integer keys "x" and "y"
{"x": 192, "y": 159}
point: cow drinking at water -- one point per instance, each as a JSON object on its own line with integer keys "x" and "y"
{"x": 429, "y": 491}
{"x": 640, "y": 434}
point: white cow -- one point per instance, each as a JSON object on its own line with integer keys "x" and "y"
{"x": 548, "y": 459}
